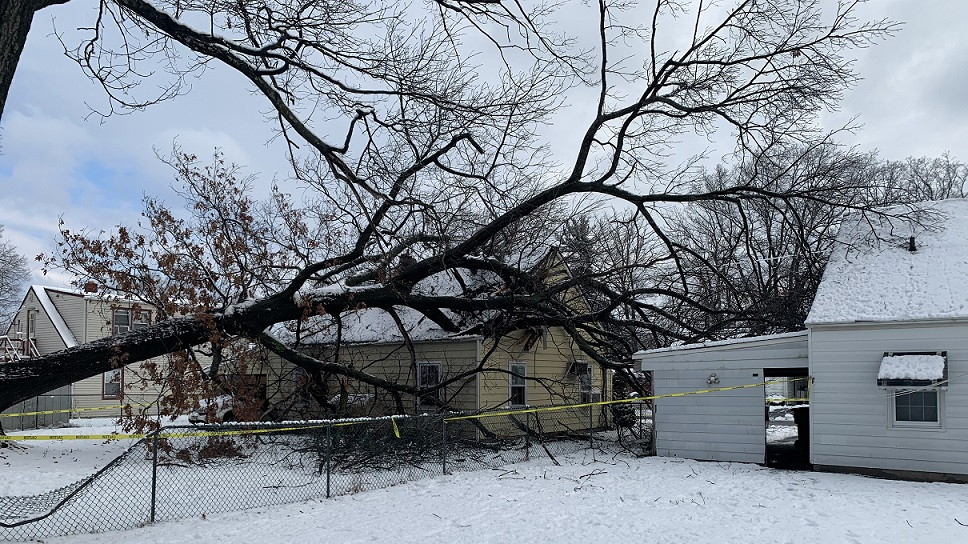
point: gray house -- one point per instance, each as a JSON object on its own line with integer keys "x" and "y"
{"x": 887, "y": 344}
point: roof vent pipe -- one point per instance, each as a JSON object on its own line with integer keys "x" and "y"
{"x": 912, "y": 247}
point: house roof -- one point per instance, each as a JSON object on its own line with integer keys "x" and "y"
{"x": 873, "y": 277}
{"x": 376, "y": 325}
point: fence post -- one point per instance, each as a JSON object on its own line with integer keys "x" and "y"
{"x": 527, "y": 436}
{"x": 443, "y": 445}
{"x": 591, "y": 422}
{"x": 154, "y": 475}
{"x": 36, "y": 415}
{"x": 329, "y": 454}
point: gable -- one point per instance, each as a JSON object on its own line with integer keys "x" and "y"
{"x": 50, "y": 332}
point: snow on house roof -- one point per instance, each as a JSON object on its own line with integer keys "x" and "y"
{"x": 729, "y": 343}
{"x": 60, "y": 325}
{"x": 376, "y": 325}
{"x": 873, "y": 277}
{"x": 911, "y": 367}
{"x": 368, "y": 326}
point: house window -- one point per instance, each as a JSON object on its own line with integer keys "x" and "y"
{"x": 129, "y": 319}
{"x": 916, "y": 408}
{"x": 585, "y": 385}
{"x": 429, "y": 375}
{"x": 112, "y": 384}
{"x": 517, "y": 384}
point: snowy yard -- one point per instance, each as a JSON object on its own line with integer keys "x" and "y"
{"x": 589, "y": 498}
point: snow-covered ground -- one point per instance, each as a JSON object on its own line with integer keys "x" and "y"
{"x": 589, "y": 498}
{"x": 608, "y": 499}
{"x": 34, "y": 467}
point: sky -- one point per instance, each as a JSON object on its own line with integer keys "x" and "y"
{"x": 58, "y": 161}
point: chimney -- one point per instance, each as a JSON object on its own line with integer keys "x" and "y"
{"x": 90, "y": 286}
{"x": 912, "y": 247}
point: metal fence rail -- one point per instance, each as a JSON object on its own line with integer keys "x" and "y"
{"x": 183, "y": 472}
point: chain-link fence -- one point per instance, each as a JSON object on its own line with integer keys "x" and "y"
{"x": 183, "y": 472}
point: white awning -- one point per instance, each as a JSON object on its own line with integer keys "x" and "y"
{"x": 912, "y": 367}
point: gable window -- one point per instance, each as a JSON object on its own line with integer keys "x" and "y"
{"x": 128, "y": 319}
{"x": 112, "y": 384}
{"x": 517, "y": 383}
{"x": 429, "y": 375}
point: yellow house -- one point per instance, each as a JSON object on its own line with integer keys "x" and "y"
{"x": 529, "y": 367}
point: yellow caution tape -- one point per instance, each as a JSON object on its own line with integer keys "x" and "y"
{"x": 621, "y": 401}
{"x": 66, "y": 410}
{"x": 193, "y": 434}
{"x": 396, "y": 429}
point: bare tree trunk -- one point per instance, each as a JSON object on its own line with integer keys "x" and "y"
{"x": 16, "y": 17}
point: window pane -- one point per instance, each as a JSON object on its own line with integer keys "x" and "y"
{"x": 112, "y": 384}
{"x": 916, "y": 406}
{"x": 428, "y": 375}
{"x": 518, "y": 396}
{"x": 518, "y": 372}
{"x": 121, "y": 321}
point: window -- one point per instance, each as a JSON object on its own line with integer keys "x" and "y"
{"x": 429, "y": 375}
{"x": 517, "y": 383}
{"x": 916, "y": 408}
{"x": 112, "y": 384}
{"x": 585, "y": 385}
{"x": 129, "y": 319}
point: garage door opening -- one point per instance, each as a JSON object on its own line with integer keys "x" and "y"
{"x": 787, "y": 409}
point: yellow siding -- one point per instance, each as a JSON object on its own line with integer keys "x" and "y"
{"x": 547, "y": 359}
{"x": 394, "y": 362}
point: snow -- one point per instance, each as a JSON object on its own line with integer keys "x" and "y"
{"x": 597, "y": 498}
{"x": 737, "y": 342}
{"x": 368, "y": 325}
{"x": 873, "y": 277}
{"x": 34, "y": 467}
{"x": 55, "y": 317}
{"x": 911, "y": 367}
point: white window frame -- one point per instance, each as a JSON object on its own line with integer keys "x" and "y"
{"x": 893, "y": 393}
{"x": 107, "y": 378}
{"x": 440, "y": 378}
{"x": 137, "y": 320}
{"x": 520, "y": 368}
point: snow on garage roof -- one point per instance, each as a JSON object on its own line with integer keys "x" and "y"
{"x": 873, "y": 277}
{"x": 723, "y": 344}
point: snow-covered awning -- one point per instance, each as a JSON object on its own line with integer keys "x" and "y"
{"x": 913, "y": 369}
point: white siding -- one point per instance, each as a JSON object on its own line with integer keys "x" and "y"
{"x": 850, "y": 415}
{"x": 724, "y": 425}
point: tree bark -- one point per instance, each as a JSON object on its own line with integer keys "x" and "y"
{"x": 16, "y": 16}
